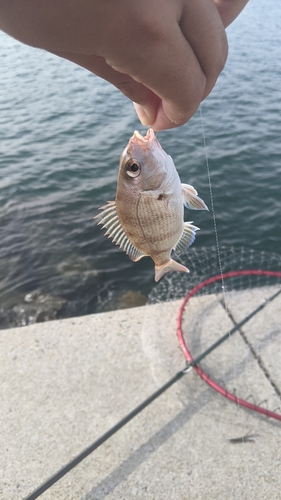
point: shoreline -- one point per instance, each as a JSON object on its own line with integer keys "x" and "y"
{"x": 66, "y": 382}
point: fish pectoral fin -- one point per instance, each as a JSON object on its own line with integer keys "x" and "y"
{"x": 187, "y": 237}
{"x": 171, "y": 265}
{"x": 156, "y": 194}
{"x": 191, "y": 199}
{"x": 109, "y": 219}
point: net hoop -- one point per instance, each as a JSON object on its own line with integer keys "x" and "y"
{"x": 188, "y": 354}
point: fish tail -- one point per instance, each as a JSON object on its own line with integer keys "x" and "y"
{"x": 171, "y": 265}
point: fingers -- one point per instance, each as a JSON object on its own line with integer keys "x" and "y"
{"x": 179, "y": 61}
{"x": 229, "y": 9}
{"x": 166, "y": 63}
{"x": 203, "y": 29}
{"x": 164, "y": 55}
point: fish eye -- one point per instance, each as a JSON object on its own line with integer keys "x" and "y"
{"x": 132, "y": 168}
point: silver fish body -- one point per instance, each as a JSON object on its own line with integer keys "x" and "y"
{"x": 146, "y": 218}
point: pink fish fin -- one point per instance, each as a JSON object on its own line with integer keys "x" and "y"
{"x": 171, "y": 265}
{"x": 191, "y": 200}
{"x": 109, "y": 219}
{"x": 187, "y": 237}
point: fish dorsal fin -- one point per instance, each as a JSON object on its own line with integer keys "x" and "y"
{"x": 187, "y": 237}
{"x": 109, "y": 220}
{"x": 191, "y": 198}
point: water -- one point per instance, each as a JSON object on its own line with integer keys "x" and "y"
{"x": 62, "y": 130}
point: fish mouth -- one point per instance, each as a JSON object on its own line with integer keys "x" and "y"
{"x": 144, "y": 141}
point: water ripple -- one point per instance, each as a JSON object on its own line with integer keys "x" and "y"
{"x": 62, "y": 131}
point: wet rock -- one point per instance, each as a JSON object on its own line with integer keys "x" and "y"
{"x": 31, "y": 308}
{"x": 124, "y": 300}
{"x": 131, "y": 299}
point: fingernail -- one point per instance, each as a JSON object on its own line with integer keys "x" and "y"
{"x": 144, "y": 117}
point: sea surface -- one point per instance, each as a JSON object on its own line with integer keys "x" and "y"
{"x": 62, "y": 131}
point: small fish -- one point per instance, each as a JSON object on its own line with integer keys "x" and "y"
{"x": 146, "y": 218}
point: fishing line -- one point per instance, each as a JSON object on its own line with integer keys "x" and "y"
{"x": 192, "y": 363}
{"x": 213, "y": 209}
{"x": 212, "y": 199}
{"x": 222, "y": 278}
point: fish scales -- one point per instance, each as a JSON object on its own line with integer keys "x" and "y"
{"x": 151, "y": 222}
{"x": 160, "y": 228}
{"x": 146, "y": 218}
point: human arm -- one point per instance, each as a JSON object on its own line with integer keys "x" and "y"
{"x": 164, "y": 55}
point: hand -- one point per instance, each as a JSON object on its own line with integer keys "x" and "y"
{"x": 165, "y": 55}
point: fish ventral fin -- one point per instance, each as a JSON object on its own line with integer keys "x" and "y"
{"x": 187, "y": 237}
{"x": 191, "y": 198}
{"x": 169, "y": 266}
{"x": 109, "y": 220}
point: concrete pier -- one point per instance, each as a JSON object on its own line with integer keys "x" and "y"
{"x": 66, "y": 382}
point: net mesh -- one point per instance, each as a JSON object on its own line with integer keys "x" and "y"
{"x": 247, "y": 364}
{"x": 203, "y": 263}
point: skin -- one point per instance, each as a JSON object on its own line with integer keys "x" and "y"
{"x": 164, "y": 55}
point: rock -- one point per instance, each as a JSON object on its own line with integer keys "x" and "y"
{"x": 125, "y": 300}
{"x": 34, "y": 307}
